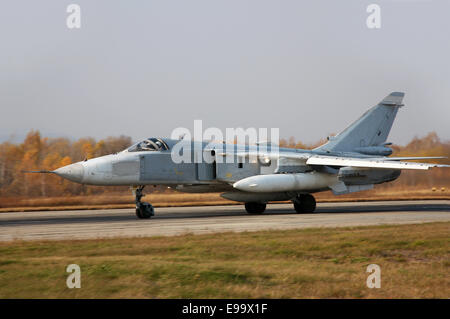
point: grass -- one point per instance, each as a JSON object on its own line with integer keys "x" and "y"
{"x": 307, "y": 263}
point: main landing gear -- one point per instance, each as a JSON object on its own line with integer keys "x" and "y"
{"x": 144, "y": 210}
{"x": 304, "y": 204}
{"x": 255, "y": 208}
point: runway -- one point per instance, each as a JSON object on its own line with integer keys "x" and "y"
{"x": 85, "y": 224}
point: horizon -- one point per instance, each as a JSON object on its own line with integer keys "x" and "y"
{"x": 17, "y": 141}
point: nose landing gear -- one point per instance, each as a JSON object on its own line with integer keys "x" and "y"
{"x": 144, "y": 210}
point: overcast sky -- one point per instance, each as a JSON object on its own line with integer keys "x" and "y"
{"x": 143, "y": 68}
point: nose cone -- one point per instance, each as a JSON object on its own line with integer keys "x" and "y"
{"x": 72, "y": 172}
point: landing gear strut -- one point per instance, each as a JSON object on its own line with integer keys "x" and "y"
{"x": 304, "y": 204}
{"x": 255, "y": 208}
{"x": 144, "y": 210}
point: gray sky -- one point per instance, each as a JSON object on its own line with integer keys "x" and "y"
{"x": 143, "y": 68}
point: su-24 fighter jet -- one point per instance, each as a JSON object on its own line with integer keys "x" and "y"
{"x": 354, "y": 160}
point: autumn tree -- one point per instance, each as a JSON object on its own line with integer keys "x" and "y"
{"x": 37, "y": 152}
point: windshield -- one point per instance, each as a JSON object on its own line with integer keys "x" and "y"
{"x": 150, "y": 144}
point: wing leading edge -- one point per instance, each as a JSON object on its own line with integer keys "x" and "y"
{"x": 369, "y": 163}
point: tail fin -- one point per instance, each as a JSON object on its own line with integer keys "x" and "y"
{"x": 371, "y": 129}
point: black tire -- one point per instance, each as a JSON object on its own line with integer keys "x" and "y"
{"x": 145, "y": 211}
{"x": 255, "y": 208}
{"x": 138, "y": 213}
{"x": 305, "y": 204}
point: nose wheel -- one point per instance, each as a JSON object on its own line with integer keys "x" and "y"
{"x": 144, "y": 210}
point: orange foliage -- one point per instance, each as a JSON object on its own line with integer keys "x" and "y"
{"x": 37, "y": 153}
{"x": 41, "y": 153}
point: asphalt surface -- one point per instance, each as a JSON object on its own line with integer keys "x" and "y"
{"x": 84, "y": 224}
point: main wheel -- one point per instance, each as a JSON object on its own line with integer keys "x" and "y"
{"x": 145, "y": 210}
{"x": 255, "y": 208}
{"x": 305, "y": 204}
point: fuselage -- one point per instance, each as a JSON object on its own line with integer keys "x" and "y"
{"x": 217, "y": 167}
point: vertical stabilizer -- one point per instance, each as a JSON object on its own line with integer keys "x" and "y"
{"x": 371, "y": 129}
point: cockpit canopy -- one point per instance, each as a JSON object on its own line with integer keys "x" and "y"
{"x": 150, "y": 144}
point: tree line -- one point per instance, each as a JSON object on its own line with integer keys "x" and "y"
{"x": 43, "y": 153}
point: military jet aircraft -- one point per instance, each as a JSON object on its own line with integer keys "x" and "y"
{"x": 352, "y": 161}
